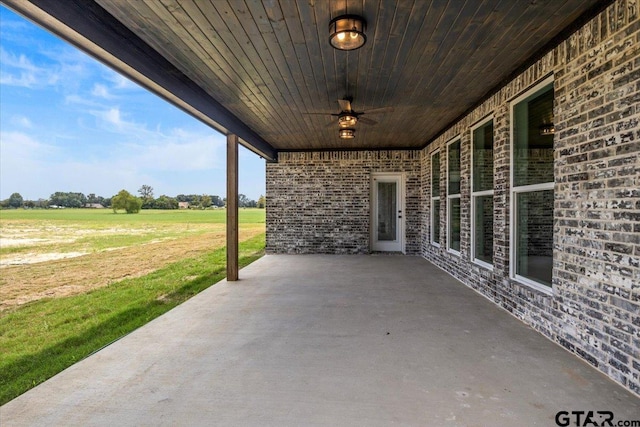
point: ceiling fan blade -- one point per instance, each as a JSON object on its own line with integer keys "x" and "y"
{"x": 345, "y": 104}
{"x": 366, "y": 121}
{"x": 318, "y": 114}
{"x": 380, "y": 110}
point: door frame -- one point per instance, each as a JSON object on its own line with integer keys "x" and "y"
{"x": 373, "y": 209}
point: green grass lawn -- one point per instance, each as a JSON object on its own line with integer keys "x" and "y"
{"x": 41, "y": 338}
{"x": 103, "y": 217}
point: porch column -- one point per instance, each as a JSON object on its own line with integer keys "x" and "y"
{"x": 232, "y": 207}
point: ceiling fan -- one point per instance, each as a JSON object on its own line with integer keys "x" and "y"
{"x": 348, "y": 117}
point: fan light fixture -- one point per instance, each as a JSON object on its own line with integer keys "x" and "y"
{"x": 347, "y": 120}
{"x": 347, "y": 133}
{"x": 346, "y": 32}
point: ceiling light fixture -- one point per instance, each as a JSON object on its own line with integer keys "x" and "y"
{"x": 347, "y": 133}
{"x": 347, "y": 120}
{"x": 346, "y": 32}
{"x": 547, "y": 129}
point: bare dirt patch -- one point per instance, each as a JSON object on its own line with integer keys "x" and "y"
{"x": 20, "y": 284}
{"x": 33, "y": 258}
{"x": 6, "y": 242}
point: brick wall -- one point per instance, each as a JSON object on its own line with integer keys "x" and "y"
{"x": 594, "y": 310}
{"x": 319, "y": 202}
{"x": 597, "y": 194}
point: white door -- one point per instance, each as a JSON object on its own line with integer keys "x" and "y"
{"x": 387, "y": 212}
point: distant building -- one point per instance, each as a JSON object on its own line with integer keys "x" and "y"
{"x": 94, "y": 206}
{"x": 183, "y": 205}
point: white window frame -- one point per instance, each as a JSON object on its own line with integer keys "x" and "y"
{"x": 477, "y": 194}
{"x": 451, "y": 197}
{"x": 515, "y": 191}
{"x": 435, "y": 198}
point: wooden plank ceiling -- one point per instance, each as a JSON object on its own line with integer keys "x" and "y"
{"x": 270, "y": 64}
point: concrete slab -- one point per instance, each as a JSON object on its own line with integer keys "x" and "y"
{"x": 327, "y": 340}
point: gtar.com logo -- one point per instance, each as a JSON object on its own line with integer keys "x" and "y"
{"x": 591, "y": 418}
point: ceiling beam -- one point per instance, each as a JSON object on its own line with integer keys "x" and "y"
{"x": 92, "y": 29}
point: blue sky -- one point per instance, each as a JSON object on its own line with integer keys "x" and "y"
{"x": 69, "y": 123}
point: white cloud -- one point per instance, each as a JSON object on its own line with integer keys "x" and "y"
{"x": 176, "y": 150}
{"x": 23, "y": 74}
{"x": 18, "y": 70}
{"x": 36, "y": 170}
{"x": 82, "y": 100}
{"x": 177, "y": 162}
{"x": 20, "y": 146}
{"x": 113, "y": 117}
{"x": 180, "y": 152}
{"x": 21, "y": 121}
{"x": 15, "y": 28}
{"x": 120, "y": 82}
{"x": 23, "y": 161}
{"x": 62, "y": 67}
{"x": 111, "y": 120}
{"x": 101, "y": 91}
{"x": 17, "y": 61}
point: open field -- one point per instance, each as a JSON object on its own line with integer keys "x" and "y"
{"x": 72, "y": 281}
{"x": 50, "y": 253}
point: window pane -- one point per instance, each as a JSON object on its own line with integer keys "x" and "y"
{"x": 435, "y": 221}
{"x": 483, "y": 237}
{"x": 435, "y": 175}
{"x": 533, "y": 152}
{"x": 534, "y": 235}
{"x": 483, "y": 158}
{"x": 454, "y": 224}
{"x": 387, "y": 211}
{"x": 453, "y": 157}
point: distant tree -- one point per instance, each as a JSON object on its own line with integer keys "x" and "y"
{"x": 205, "y": 201}
{"x": 194, "y": 199}
{"x": 245, "y": 202}
{"x": 15, "y": 200}
{"x": 92, "y": 198}
{"x": 58, "y": 198}
{"x": 217, "y": 201}
{"x": 29, "y": 204}
{"x": 146, "y": 192}
{"x": 262, "y": 202}
{"x": 68, "y": 199}
{"x": 165, "y": 202}
{"x": 127, "y": 201}
{"x": 77, "y": 200}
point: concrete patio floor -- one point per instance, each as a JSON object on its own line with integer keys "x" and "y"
{"x": 327, "y": 340}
